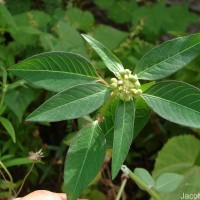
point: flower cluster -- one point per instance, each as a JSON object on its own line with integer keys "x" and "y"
{"x": 126, "y": 85}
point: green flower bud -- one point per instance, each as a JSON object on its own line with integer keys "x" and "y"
{"x": 137, "y": 84}
{"x": 139, "y": 91}
{"x": 122, "y": 72}
{"x": 114, "y": 80}
{"x": 113, "y": 85}
{"x": 120, "y": 82}
{"x": 133, "y": 78}
{"x": 127, "y": 71}
{"x": 120, "y": 88}
{"x": 134, "y": 91}
{"x": 126, "y": 77}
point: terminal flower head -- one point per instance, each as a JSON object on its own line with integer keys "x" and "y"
{"x": 36, "y": 156}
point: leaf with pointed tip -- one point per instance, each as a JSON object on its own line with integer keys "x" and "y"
{"x": 142, "y": 115}
{"x": 110, "y": 60}
{"x": 56, "y": 71}
{"x": 9, "y": 128}
{"x": 168, "y": 57}
{"x": 123, "y": 133}
{"x": 84, "y": 159}
{"x": 72, "y": 103}
{"x": 175, "y": 101}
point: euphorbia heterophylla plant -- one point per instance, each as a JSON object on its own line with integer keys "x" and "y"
{"x": 125, "y": 103}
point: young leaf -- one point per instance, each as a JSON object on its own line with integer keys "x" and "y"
{"x": 145, "y": 176}
{"x": 9, "y": 128}
{"x": 175, "y": 101}
{"x": 84, "y": 159}
{"x": 142, "y": 114}
{"x": 168, "y": 182}
{"x": 110, "y": 60}
{"x": 123, "y": 133}
{"x": 72, "y": 103}
{"x": 55, "y": 71}
{"x": 168, "y": 58}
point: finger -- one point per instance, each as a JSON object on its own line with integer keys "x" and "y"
{"x": 61, "y": 195}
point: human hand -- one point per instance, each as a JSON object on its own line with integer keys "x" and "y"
{"x": 43, "y": 195}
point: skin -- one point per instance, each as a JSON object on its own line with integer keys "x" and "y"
{"x": 43, "y": 195}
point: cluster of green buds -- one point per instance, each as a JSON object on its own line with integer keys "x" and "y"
{"x": 126, "y": 85}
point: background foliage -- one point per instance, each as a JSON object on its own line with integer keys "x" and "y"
{"x": 129, "y": 29}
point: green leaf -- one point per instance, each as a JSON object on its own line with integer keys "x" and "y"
{"x": 5, "y": 17}
{"x": 71, "y": 103}
{"x": 168, "y": 58}
{"x": 175, "y": 101}
{"x": 142, "y": 115}
{"x": 110, "y": 60}
{"x": 84, "y": 159}
{"x": 56, "y": 71}
{"x": 107, "y": 125}
{"x": 104, "y": 4}
{"x": 109, "y": 36}
{"x": 19, "y": 6}
{"x": 145, "y": 176}
{"x": 81, "y": 20}
{"x": 168, "y": 182}
{"x": 155, "y": 27}
{"x": 34, "y": 18}
{"x": 123, "y": 134}
{"x": 178, "y": 156}
{"x": 18, "y": 100}
{"x": 197, "y": 161}
{"x": 69, "y": 39}
{"x": 17, "y": 161}
{"x": 126, "y": 10}
{"x": 9, "y": 128}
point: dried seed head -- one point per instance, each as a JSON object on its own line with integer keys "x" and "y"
{"x": 36, "y": 156}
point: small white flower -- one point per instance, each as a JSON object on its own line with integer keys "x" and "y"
{"x": 36, "y": 156}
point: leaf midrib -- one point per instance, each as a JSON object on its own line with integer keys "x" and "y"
{"x": 112, "y": 56}
{"x": 161, "y": 186}
{"x": 121, "y": 134}
{"x": 149, "y": 68}
{"x": 156, "y": 97}
{"x": 90, "y": 142}
{"x": 61, "y": 72}
{"x": 86, "y": 97}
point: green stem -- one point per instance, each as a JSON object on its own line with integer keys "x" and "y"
{"x": 2, "y": 99}
{"x": 25, "y": 178}
{"x": 4, "y": 86}
{"x": 104, "y": 108}
{"x": 121, "y": 189}
{"x": 141, "y": 183}
{"x": 10, "y": 177}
